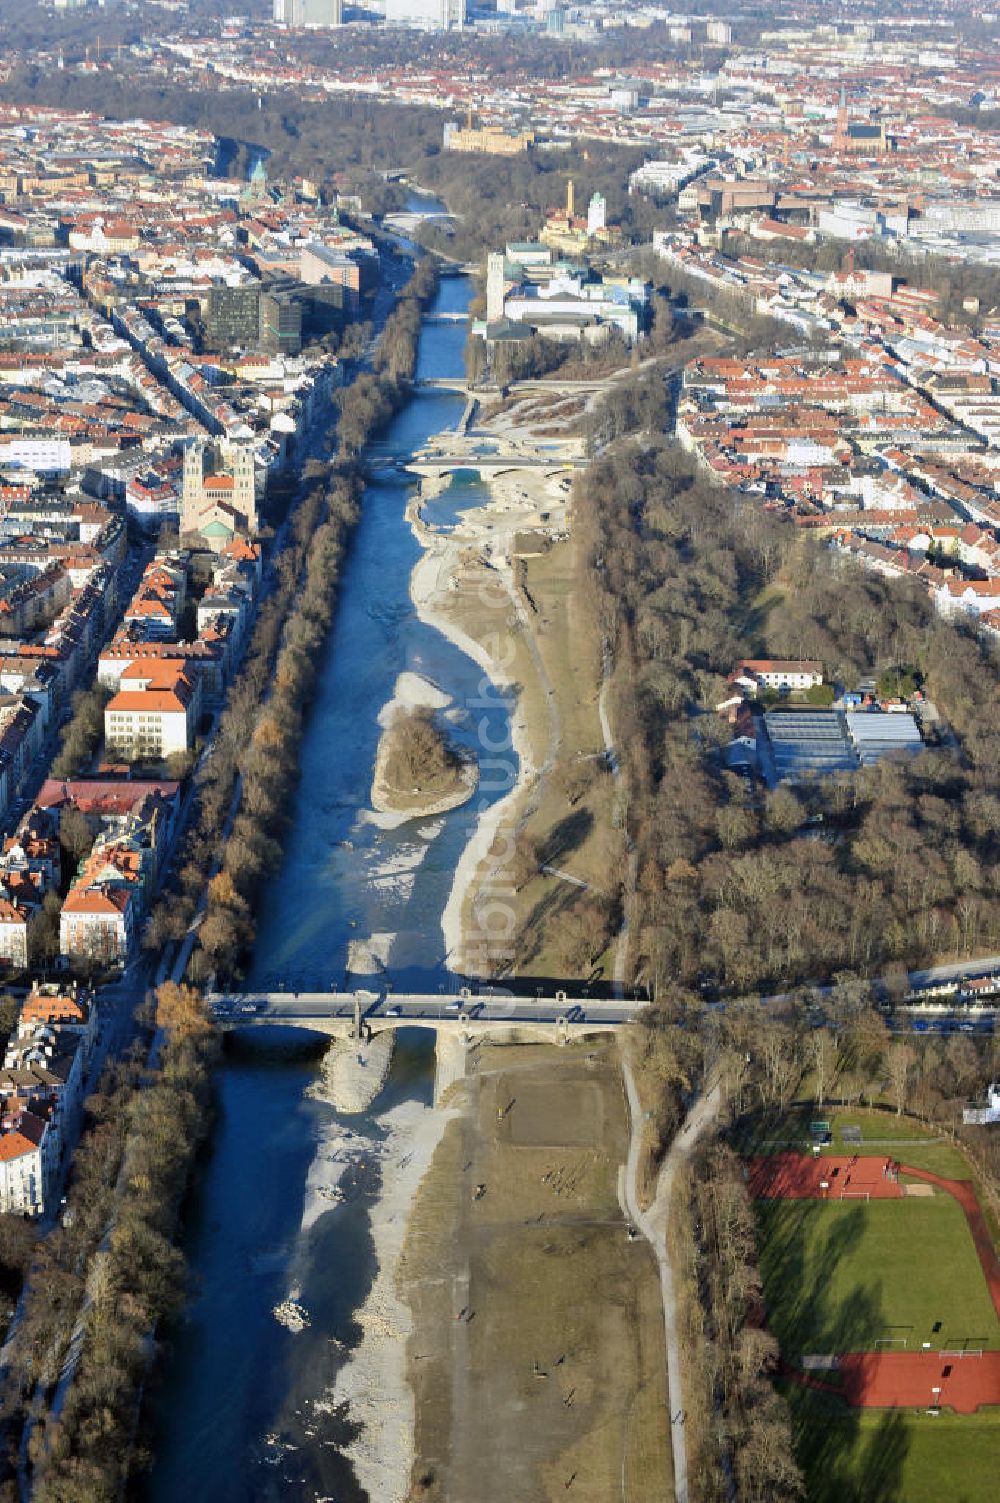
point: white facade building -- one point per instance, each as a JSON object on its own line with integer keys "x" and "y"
{"x": 429, "y": 15}
{"x": 27, "y": 1165}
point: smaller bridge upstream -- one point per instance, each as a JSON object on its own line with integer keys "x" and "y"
{"x": 360, "y": 1014}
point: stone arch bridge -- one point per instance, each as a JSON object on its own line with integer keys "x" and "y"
{"x": 555, "y": 1018}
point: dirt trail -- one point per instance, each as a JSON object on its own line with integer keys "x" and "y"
{"x": 653, "y": 1225}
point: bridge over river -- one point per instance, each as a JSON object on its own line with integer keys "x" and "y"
{"x": 487, "y": 464}
{"x": 361, "y": 1013}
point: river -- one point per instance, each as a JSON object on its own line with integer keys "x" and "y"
{"x": 240, "y": 1414}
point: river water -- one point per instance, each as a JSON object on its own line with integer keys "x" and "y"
{"x": 236, "y": 1417}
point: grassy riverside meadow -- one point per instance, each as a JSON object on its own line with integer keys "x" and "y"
{"x": 537, "y": 1345}
{"x": 565, "y": 915}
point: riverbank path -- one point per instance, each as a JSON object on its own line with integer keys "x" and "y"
{"x": 653, "y": 1224}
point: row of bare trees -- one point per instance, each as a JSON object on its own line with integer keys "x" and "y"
{"x": 740, "y": 1355}
{"x": 259, "y": 732}
{"x": 134, "y": 1277}
{"x": 54, "y": 1267}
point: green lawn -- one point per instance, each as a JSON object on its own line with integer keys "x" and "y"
{"x": 837, "y": 1277}
{"x": 881, "y": 1133}
{"x": 909, "y": 1140}
{"x": 891, "y": 1456}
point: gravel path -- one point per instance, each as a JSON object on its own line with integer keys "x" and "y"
{"x": 653, "y": 1225}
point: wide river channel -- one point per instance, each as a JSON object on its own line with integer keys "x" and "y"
{"x": 240, "y": 1412}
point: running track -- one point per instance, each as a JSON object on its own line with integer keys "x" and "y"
{"x": 885, "y": 1380}
{"x": 962, "y": 1191}
{"x": 797, "y": 1176}
{"x": 906, "y": 1380}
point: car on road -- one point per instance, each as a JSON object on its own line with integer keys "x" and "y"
{"x": 393, "y": 1012}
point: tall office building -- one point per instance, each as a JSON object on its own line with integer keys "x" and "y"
{"x": 430, "y": 15}
{"x": 318, "y": 13}
{"x": 254, "y": 318}
{"x": 495, "y": 287}
{"x": 232, "y": 318}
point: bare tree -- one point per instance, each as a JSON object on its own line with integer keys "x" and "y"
{"x": 900, "y": 1059}
{"x": 823, "y": 1055}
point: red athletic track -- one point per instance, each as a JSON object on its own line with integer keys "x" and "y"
{"x": 798, "y": 1176}
{"x": 891, "y": 1380}
{"x": 905, "y": 1380}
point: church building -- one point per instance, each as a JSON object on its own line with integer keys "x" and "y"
{"x": 219, "y": 498}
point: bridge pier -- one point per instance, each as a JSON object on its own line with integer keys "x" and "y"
{"x": 562, "y": 1021}
{"x": 360, "y": 1028}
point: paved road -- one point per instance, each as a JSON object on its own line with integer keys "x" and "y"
{"x": 498, "y": 1008}
{"x": 653, "y": 1225}
{"x": 985, "y": 965}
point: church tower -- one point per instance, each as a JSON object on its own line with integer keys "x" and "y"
{"x": 191, "y": 493}
{"x": 842, "y": 134}
{"x": 244, "y": 486}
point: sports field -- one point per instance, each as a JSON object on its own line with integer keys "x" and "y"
{"x": 843, "y": 1276}
{"x": 879, "y": 1278}
{"x": 892, "y": 1455}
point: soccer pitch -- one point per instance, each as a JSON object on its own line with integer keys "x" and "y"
{"x": 892, "y": 1456}
{"x": 842, "y": 1276}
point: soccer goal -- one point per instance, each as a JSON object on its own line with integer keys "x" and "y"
{"x": 891, "y": 1343}
{"x": 855, "y": 1195}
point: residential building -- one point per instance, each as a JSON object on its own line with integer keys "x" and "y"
{"x": 779, "y": 673}
{"x": 26, "y": 1163}
{"x": 98, "y": 923}
{"x": 155, "y": 712}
